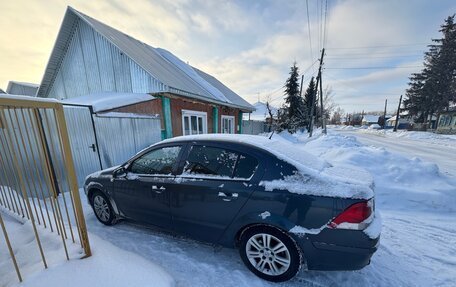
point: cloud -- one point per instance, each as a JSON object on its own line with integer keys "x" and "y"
{"x": 248, "y": 45}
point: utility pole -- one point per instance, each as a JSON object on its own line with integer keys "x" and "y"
{"x": 315, "y": 94}
{"x": 384, "y": 114}
{"x": 323, "y": 118}
{"x": 397, "y": 115}
{"x": 300, "y": 89}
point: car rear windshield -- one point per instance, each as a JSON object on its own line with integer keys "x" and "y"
{"x": 219, "y": 162}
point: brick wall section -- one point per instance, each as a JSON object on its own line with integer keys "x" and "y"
{"x": 178, "y": 104}
{"x": 153, "y": 107}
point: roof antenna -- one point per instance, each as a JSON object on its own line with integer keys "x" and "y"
{"x": 271, "y": 135}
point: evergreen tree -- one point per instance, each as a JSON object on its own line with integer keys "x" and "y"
{"x": 293, "y": 113}
{"x": 310, "y": 92}
{"x": 433, "y": 90}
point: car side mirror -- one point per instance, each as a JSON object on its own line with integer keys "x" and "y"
{"x": 120, "y": 172}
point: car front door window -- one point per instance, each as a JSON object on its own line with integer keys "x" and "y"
{"x": 156, "y": 162}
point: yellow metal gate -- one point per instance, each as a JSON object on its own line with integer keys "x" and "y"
{"x": 37, "y": 177}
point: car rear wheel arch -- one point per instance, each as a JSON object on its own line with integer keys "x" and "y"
{"x": 259, "y": 225}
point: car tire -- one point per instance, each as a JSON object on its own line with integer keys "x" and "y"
{"x": 270, "y": 253}
{"x": 102, "y": 208}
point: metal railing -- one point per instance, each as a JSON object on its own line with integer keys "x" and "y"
{"x": 37, "y": 177}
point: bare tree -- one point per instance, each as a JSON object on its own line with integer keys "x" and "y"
{"x": 336, "y": 118}
{"x": 328, "y": 102}
{"x": 270, "y": 119}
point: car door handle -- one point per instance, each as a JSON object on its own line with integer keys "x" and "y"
{"x": 228, "y": 197}
{"x": 158, "y": 189}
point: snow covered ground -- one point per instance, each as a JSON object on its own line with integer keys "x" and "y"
{"x": 416, "y": 200}
{"x": 431, "y": 147}
{"x": 107, "y": 266}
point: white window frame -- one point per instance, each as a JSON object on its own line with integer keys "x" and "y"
{"x": 231, "y": 118}
{"x": 188, "y": 114}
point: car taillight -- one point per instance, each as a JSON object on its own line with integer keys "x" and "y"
{"x": 356, "y": 216}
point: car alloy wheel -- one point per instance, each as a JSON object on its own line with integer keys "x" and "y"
{"x": 102, "y": 208}
{"x": 270, "y": 253}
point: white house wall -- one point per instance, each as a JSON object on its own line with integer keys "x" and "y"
{"x": 92, "y": 64}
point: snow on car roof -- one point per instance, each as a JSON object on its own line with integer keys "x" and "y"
{"x": 282, "y": 149}
{"x": 327, "y": 180}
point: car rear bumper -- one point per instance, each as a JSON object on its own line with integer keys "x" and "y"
{"x": 338, "y": 249}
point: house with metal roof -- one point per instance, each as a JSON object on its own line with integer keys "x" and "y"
{"x": 22, "y": 88}
{"x": 370, "y": 119}
{"x": 90, "y": 57}
{"x": 447, "y": 122}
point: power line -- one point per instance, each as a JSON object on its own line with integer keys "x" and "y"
{"x": 340, "y": 82}
{"x": 374, "y": 57}
{"x": 378, "y": 46}
{"x": 373, "y": 68}
{"x": 313, "y": 64}
{"x": 320, "y": 24}
{"x": 399, "y": 53}
{"x": 305, "y": 79}
{"x": 368, "y": 93}
{"x": 308, "y": 28}
{"x": 325, "y": 33}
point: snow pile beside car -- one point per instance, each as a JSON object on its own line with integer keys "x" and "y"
{"x": 108, "y": 266}
{"x": 424, "y": 137}
{"x": 396, "y": 177}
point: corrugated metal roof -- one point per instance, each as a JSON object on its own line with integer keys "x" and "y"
{"x": 22, "y": 88}
{"x": 170, "y": 72}
{"x": 31, "y": 85}
{"x": 227, "y": 92}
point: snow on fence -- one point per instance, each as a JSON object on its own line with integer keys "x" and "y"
{"x": 38, "y": 184}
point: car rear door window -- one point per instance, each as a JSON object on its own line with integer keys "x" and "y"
{"x": 245, "y": 167}
{"x": 158, "y": 161}
{"x": 218, "y": 162}
{"x": 210, "y": 161}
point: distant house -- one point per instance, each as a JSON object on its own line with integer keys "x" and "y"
{"x": 402, "y": 124}
{"x": 22, "y": 88}
{"x": 91, "y": 57}
{"x": 261, "y": 112}
{"x": 369, "y": 120}
{"x": 447, "y": 123}
{"x": 258, "y": 121}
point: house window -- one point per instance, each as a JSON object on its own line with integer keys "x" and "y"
{"x": 194, "y": 122}
{"x": 228, "y": 124}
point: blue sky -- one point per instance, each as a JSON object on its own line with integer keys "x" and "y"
{"x": 250, "y": 45}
